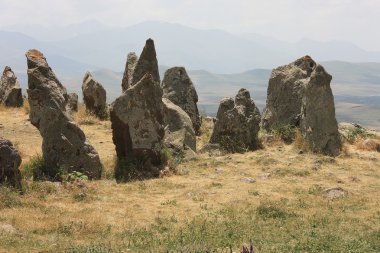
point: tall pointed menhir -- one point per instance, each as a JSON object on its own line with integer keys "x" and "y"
{"x": 64, "y": 145}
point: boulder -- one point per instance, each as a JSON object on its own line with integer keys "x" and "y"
{"x": 147, "y": 63}
{"x": 318, "y": 123}
{"x": 64, "y": 145}
{"x": 299, "y": 94}
{"x": 10, "y": 91}
{"x": 72, "y": 104}
{"x": 178, "y": 88}
{"x": 10, "y": 161}
{"x": 237, "y": 123}
{"x": 130, "y": 66}
{"x": 179, "y": 130}
{"x": 137, "y": 122}
{"x": 286, "y": 89}
{"x": 94, "y": 96}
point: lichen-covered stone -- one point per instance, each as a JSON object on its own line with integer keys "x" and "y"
{"x": 147, "y": 63}
{"x": 237, "y": 123}
{"x": 299, "y": 94}
{"x": 94, "y": 96}
{"x": 178, "y": 88}
{"x": 64, "y": 145}
{"x": 10, "y": 161}
{"x": 137, "y": 121}
{"x": 318, "y": 122}
{"x": 130, "y": 66}
{"x": 10, "y": 90}
{"x": 72, "y": 104}
{"x": 179, "y": 130}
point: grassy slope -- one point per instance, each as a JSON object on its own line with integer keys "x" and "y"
{"x": 198, "y": 208}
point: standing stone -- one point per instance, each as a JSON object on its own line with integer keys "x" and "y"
{"x": 10, "y": 91}
{"x": 318, "y": 122}
{"x": 179, "y": 130}
{"x": 130, "y": 66}
{"x": 237, "y": 123}
{"x": 299, "y": 94}
{"x": 147, "y": 63}
{"x": 94, "y": 96}
{"x": 72, "y": 104}
{"x": 285, "y": 92}
{"x": 10, "y": 161}
{"x": 178, "y": 88}
{"x": 137, "y": 123}
{"x": 64, "y": 145}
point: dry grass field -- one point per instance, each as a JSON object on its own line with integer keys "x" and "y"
{"x": 274, "y": 198}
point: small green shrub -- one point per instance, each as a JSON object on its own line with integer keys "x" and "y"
{"x": 286, "y": 132}
{"x": 356, "y": 133}
{"x": 72, "y": 176}
{"x": 37, "y": 167}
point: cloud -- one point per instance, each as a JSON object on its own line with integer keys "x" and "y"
{"x": 351, "y": 20}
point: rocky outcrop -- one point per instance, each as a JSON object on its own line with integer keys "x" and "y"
{"x": 64, "y": 145}
{"x": 130, "y": 66}
{"x": 178, "y": 88}
{"x": 72, "y": 104}
{"x": 147, "y": 63}
{"x": 179, "y": 130}
{"x": 94, "y": 96}
{"x": 10, "y": 161}
{"x": 137, "y": 123}
{"x": 10, "y": 91}
{"x": 237, "y": 123}
{"x": 318, "y": 123}
{"x": 299, "y": 94}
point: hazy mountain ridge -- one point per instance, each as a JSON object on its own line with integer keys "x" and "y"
{"x": 103, "y": 51}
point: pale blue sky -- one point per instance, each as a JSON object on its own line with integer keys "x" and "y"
{"x": 355, "y": 21}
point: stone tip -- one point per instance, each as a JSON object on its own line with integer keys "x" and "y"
{"x": 34, "y": 54}
{"x": 7, "y": 69}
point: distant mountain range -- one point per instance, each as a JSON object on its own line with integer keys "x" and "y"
{"x": 73, "y": 50}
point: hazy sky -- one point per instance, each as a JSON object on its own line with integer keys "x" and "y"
{"x": 356, "y": 21}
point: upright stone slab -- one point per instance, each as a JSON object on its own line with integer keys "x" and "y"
{"x": 179, "y": 131}
{"x": 178, "y": 88}
{"x": 130, "y": 66}
{"x": 72, "y": 104}
{"x": 10, "y": 161}
{"x": 237, "y": 123}
{"x": 318, "y": 122}
{"x": 137, "y": 122}
{"x": 147, "y": 63}
{"x": 94, "y": 96}
{"x": 299, "y": 94}
{"x": 64, "y": 144}
{"x": 10, "y": 90}
{"x": 286, "y": 89}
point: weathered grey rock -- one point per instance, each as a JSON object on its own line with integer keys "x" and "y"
{"x": 178, "y": 88}
{"x": 286, "y": 89}
{"x": 299, "y": 94}
{"x": 179, "y": 130}
{"x": 147, "y": 63}
{"x": 318, "y": 123}
{"x": 64, "y": 145}
{"x": 94, "y": 96}
{"x": 130, "y": 66}
{"x": 72, "y": 104}
{"x": 10, "y": 91}
{"x": 237, "y": 123}
{"x": 10, "y": 161}
{"x": 137, "y": 122}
